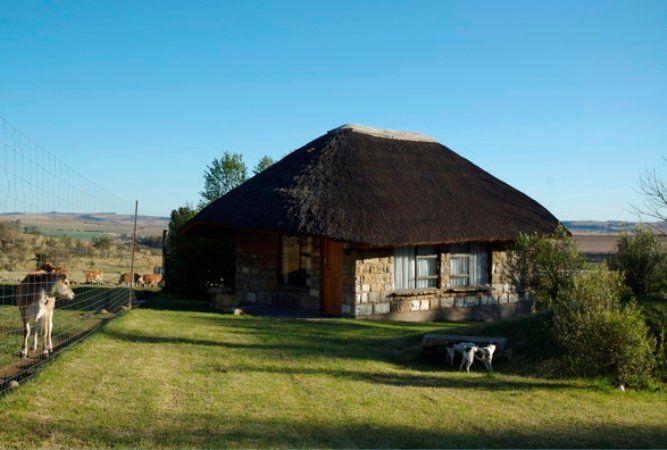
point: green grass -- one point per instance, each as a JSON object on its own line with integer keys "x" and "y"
{"x": 191, "y": 378}
{"x": 74, "y": 234}
{"x": 70, "y": 319}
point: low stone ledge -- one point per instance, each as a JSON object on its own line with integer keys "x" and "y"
{"x": 435, "y": 292}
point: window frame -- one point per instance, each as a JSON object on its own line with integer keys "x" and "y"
{"x": 466, "y": 256}
{"x": 413, "y": 258}
{"x": 435, "y": 277}
{"x": 284, "y": 279}
{"x": 469, "y": 256}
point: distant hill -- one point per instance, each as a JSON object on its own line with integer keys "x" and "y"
{"x": 55, "y": 222}
{"x": 111, "y": 223}
{"x": 607, "y": 227}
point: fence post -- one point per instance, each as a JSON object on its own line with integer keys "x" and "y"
{"x": 134, "y": 246}
{"x": 164, "y": 260}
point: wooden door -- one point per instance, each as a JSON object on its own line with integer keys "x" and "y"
{"x": 332, "y": 276}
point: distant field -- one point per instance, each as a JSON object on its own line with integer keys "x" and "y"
{"x": 601, "y": 243}
{"x": 95, "y": 223}
{"x": 74, "y": 234}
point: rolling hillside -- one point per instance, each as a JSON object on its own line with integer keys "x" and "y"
{"x": 88, "y": 225}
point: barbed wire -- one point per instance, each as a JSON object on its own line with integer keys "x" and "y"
{"x": 41, "y": 198}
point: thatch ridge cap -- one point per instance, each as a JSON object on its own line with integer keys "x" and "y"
{"x": 383, "y": 133}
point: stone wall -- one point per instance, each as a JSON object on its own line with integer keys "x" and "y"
{"x": 258, "y": 273}
{"x": 368, "y": 284}
{"x": 375, "y": 297}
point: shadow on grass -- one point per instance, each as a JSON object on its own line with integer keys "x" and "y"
{"x": 165, "y": 301}
{"x": 206, "y": 430}
{"x": 444, "y": 380}
{"x": 397, "y": 343}
{"x": 283, "y": 340}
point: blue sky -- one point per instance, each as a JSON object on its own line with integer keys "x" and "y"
{"x": 566, "y": 101}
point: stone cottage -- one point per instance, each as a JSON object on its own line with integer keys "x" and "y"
{"x": 373, "y": 223}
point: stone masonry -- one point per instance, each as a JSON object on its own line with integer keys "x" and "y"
{"x": 368, "y": 284}
{"x": 369, "y": 290}
{"x": 257, "y": 273}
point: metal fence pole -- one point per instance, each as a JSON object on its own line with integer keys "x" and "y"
{"x": 165, "y": 282}
{"x": 134, "y": 246}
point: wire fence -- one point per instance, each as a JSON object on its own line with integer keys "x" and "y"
{"x": 65, "y": 243}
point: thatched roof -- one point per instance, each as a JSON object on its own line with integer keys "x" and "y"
{"x": 376, "y": 187}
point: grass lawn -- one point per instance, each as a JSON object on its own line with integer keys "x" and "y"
{"x": 158, "y": 377}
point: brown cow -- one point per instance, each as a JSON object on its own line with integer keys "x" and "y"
{"x": 36, "y": 298}
{"x": 51, "y": 268}
{"x": 94, "y": 276}
{"x": 151, "y": 279}
{"x": 127, "y": 277}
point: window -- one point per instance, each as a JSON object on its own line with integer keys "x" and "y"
{"x": 469, "y": 265}
{"x": 293, "y": 261}
{"x": 415, "y": 267}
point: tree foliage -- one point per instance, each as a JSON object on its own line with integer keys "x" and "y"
{"x": 223, "y": 175}
{"x": 264, "y": 163}
{"x": 600, "y": 335}
{"x": 544, "y": 265}
{"x": 642, "y": 261}
{"x": 598, "y": 332}
{"x": 103, "y": 244}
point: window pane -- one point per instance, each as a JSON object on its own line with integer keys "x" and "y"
{"x": 427, "y": 283}
{"x": 460, "y": 265}
{"x": 479, "y": 253}
{"x": 458, "y": 282}
{"x": 427, "y": 267}
{"x": 460, "y": 271}
{"x": 404, "y": 267}
{"x": 292, "y": 270}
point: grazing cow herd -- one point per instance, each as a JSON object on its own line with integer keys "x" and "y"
{"x": 37, "y": 292}
{"x": 150, "y": 279}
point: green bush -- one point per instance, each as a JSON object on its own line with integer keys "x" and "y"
{"x": 654, "y": 310}
{"x": 600, "y": 335}
{"x": 544, "y": 265}
{"x": 642, "y": 261}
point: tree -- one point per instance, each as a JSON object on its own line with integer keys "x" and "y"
{"x": 544, "y": 265}
{"x": 223, "y": 175}
{"x": 593, "y": 321}
{"x": 103, "y": 244}
{"x": 653, "y": 188}
{"x": 641, "y": 261}
{"x": 264, "y": 163}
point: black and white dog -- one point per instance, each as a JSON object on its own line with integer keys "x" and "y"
{"x": 469, "y": 352}
{"x": 485, "y": 354}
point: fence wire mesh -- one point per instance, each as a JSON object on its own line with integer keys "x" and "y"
{"x": 74, "y": 238}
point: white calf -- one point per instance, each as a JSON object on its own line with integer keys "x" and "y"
{"x": 36, "y": 298}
